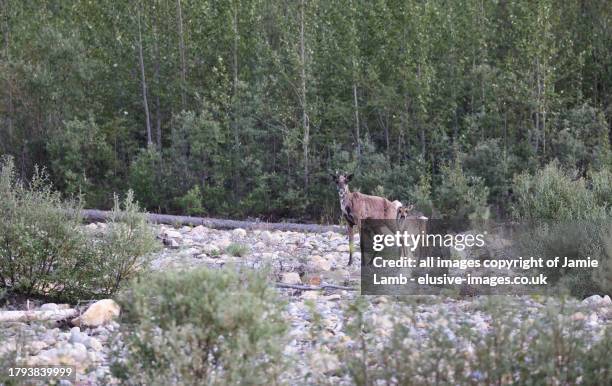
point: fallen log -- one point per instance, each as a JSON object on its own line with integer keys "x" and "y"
{"x": 314, "y": 288}
{"x": 94, "y": 215}
{"x": 37, "y": 315}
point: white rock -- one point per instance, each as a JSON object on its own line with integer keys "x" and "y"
{"x": 291, "y": 278}
{"x": 269, "y": 237}
{"x": 94, "y": 344}
{"x": 239, "y": 232}
{"x": 310, "y": 295}
{"x": 49, "y": 307}
{"x": 223, "y": 243}
{"x": 325, "y": 363}
{"x": 98, "y": 314}
{"x": 199, "y": 231}
{"x": 319, "y": 263}
{"x": 342, "y": 248}
{"x": 172, "y": 234}
{"x": 597, "y": 301}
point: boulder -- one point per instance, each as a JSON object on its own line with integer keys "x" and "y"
{"x": 319, "y": 263}
{"x": 325, "y": 363}
{"x": 98, "y": 314}
{"x": 239, "y": 232}
{"x": 291, "y": 278}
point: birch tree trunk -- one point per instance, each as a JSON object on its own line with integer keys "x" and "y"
{"x": 7, "y": 56}
{"x": 179, "y": 12}
{"x": 157, "y": 83}
{"x": 356, "y": 108}
{"x": 144, "y": 83}
{"x": 305, "y": 120}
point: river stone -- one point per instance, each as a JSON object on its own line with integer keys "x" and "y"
{"x": 98, "y": 314}
{"x": 318, "y": 263}
{"x": 239, "y": 232}
{"x": 291, "y": 278}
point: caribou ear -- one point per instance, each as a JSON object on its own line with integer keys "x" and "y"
{"x": 349, "y": 177}
{"x": 410, "y": 207}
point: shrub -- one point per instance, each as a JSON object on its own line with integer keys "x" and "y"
{"x": 550, "y": 194}
{"x": 41, "y": 248}
{"x": 557, "y": 207}
{"x": 124, "y": 244}
{"x": 237, "y": 250}
{"x": 191, "y": 202}
{"x": 555, "y": 347}
{"x": 461, "y": 198}
{"x": 201, "y": 327}
{"x": 45, "y": 251}
{"x": 78, "y": 153}
{"x": 146, "y": 178}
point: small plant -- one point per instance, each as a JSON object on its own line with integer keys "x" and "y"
{"x": 45, "y": 251}
{"x": 201, "y": 327}
{"x": 191, "y": 202}
{"x": 401, "y": 345}
{"x": 215, "y": 253}
{"x": 125, "y": 244}
{"x": 237, "y": 250}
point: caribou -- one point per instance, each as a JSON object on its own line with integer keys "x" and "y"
{"x": 357, "y": 207}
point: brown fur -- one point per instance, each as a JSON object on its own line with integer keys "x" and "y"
{"x": 411, "y": 221}
{"x": 357, "y": 207}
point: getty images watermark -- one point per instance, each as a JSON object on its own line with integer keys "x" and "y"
{"x": 424, "y": 256}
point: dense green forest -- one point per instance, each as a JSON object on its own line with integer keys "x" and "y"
{"x": 242, "y": 107}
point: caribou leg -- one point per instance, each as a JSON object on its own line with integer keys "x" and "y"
{"x": 350, "y": 237}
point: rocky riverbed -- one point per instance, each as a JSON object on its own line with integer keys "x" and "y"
{"x": 291, "y": 258}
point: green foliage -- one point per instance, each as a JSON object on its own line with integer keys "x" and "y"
{"x": 575, "y": 240}
{"x": 237, "y": 250}
{"x": 46, "y": 251}
{"x": 191, "y": 202}
{"x": 146, "y": 178}
{"x": 459, "y": 197}
{"x": 489, "y": 161}
{"x": 551, "y": 194}
{"x": 553, "y": 347}
{"x": 582, "y": 140}
{"x": 201, "y": 326}
{"x": 124, "y": 244}
{"x": 566, "y": 218}
{"x": 79, "y": 152}
{"x": 390, "y": 92}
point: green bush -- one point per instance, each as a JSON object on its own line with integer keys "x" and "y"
{"x": 554, "y": 347}
{"x": 566, "y": 218}
{"x": 191, "y": 202}
{"x": 45, "y": 250}
{"x": 237, "y": 250}
{"x": 82, "y": 161}
{"x": 461, "y": 198}
{"x": 201, "y": 327}
{"x": 551, "y": 194}
{"x": 124, "y": 244}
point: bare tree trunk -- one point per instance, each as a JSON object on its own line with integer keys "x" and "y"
{"x": 356, "y": 108}
{"x": 144, "y": 83}
{"x": 94, "y": 215}
{"x": 37, "y": 315}
{"x": 7, "y": 56}
{"x": 305, "y": 120}
{"x": 158, "y": 85}
{"x": 235, "y": 101}
{"x": 537, "y": 117}
{"x": 179, "y": 13}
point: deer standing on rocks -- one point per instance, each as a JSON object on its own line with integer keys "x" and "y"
{"x": 410, "y": 221}
{"x": 357, "y": 207}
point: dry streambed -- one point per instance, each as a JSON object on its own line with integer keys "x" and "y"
{"x": 292, "y": 258}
